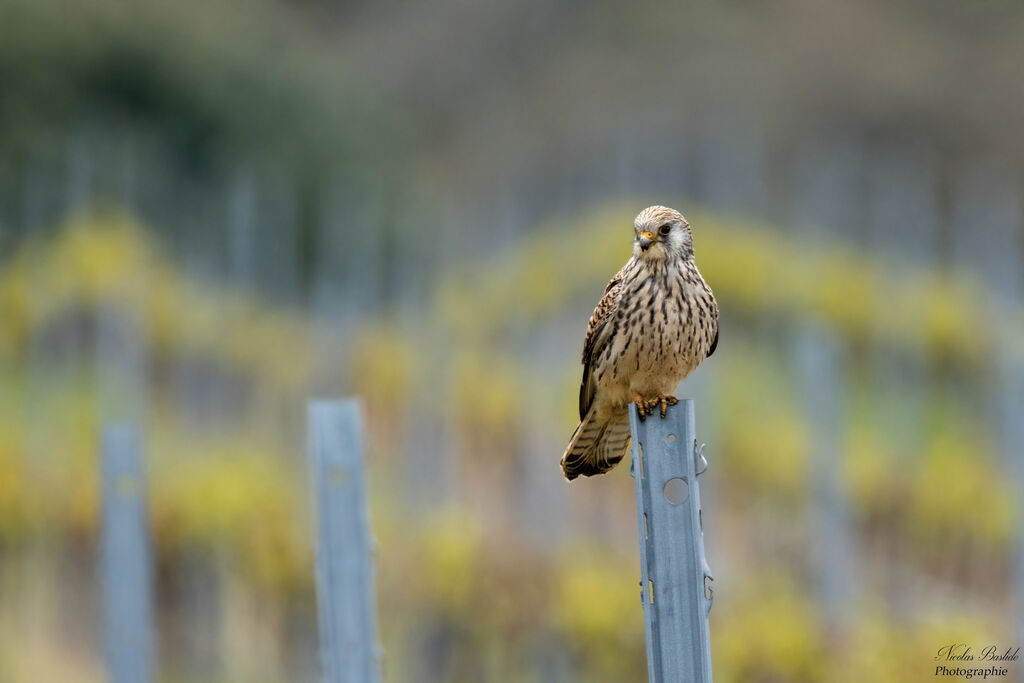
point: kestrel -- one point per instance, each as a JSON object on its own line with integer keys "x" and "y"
{"x": 655, "y": 323}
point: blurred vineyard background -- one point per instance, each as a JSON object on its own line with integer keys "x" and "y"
{"x": 210, "y": 212}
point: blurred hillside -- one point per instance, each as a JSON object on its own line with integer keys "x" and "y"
{"x": 210, "y": 212}
{"x": 727, "y": 102}
{"x": 451, "y": 129}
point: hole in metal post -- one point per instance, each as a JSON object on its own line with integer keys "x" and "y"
{"x": 640, "y": 457}
{"x": 646, "y": 535}
{"x": 676, "y": 490}
{"x": 671, "y": 438}
{"x": 651, "y": 586}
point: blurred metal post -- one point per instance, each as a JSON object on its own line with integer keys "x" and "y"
{"x": 125, "y": 558}
{"x": 819, "y": 360}
{"x": 675, "y": 581}
{"x": 1009, "y": 400}
{"x": 344, "y": 565}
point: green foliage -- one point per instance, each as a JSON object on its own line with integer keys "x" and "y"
{"x": 244, "y": 81}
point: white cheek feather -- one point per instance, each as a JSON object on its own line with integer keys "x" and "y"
{"x": 675, "y": 238}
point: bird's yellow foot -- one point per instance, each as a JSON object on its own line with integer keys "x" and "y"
{"x": 643, "y": 406}
{"x": 664, "y": 402}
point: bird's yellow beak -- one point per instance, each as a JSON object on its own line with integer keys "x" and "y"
{"x": 646, "y": 239}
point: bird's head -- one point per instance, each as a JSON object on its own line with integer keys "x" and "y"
{"x": 662, "y": 234}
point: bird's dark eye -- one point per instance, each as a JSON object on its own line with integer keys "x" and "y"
{"x": 665, "y": 229}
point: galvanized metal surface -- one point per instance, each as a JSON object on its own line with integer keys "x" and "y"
{"x": 346, "y": 595}
{"x": 125, "y": 558}
{"x": 819, "y": 362}
{"x": 675, "y": 578}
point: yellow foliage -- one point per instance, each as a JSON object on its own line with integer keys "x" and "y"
{"x": 107, "y": 261}
{"x": 767, "y": 631}
{"x": 596, "y": 607}
{"x": 384, "y": 363}
{"x": 50, "y": 476}
{"x": 846, "y": 292}
{"x": 77, "y": 460}
{"x": 878, "y": 650}
{"x": 769, "y": 452}
{"x": 487, "y": 393}
{"x": 452, "y": 545}
{"x": 15, "y": 312}
{"x": 958, "y": 491}
{"x": 868, "y": 469}
{"x": 737, "y": 265}
{"x": 599, "y": 612}
{"x": 235, "y": 499}
{"x": 13, "y": 485}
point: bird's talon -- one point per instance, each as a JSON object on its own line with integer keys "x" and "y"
{"x": 662, "y": 402}
{"x": 642, "y": 409}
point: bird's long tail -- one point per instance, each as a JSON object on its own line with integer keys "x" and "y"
{"x": 596, "y": 446}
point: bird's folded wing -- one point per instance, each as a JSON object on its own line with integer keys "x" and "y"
{"x": 596, "y": 337}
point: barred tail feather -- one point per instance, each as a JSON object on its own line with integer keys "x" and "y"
{"x": 616, "y": 441}
{"x": 596, "y": 446}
